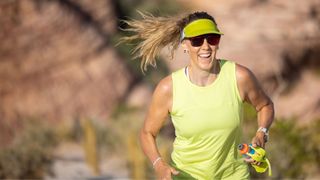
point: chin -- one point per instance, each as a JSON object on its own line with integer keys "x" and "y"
{"x": 205, "y": 64}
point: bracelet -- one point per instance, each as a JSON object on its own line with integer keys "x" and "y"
{"x": 155, "y": 161}
{"x": 266, "y": 133}
{"x": 263, "y": 129}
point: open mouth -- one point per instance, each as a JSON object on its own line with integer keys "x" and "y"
{"x": 205, "y": 55}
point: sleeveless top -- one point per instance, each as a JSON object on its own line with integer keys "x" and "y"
{"x": 207, "y": 123}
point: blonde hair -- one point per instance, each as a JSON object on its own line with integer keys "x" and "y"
{"x": 155, "y": 33}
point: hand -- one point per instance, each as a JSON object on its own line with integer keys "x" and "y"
{"x": 164, "y": 171}
{"x": 258, "y": 140}
{"x": 251, "y": 161}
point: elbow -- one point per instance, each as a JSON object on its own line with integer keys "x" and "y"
{"x": 267, "y": 107}
{"x": 142, "y": 134}
{"x": 145, "y": 134}
{"x": 271, "y": 106}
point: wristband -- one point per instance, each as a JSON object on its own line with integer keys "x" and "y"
{"x": 155, "y": 161}
{"x": 263, "y": 129}
{"x": 266, "y": 133}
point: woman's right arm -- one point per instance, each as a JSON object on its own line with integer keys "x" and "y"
{"x": 158, "y": 112}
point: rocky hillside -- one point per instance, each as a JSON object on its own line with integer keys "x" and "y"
{"x": 57, "y": 62}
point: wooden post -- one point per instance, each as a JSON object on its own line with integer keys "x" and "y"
{"x": 135, "y": 158}
{"x": 90, "y": 146}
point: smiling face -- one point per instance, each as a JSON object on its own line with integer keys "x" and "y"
{"x": 203, "y": 56}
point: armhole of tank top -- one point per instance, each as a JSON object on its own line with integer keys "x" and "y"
{"x": 236, "y": 82}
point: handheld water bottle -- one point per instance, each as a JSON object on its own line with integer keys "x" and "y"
{"x": 258, "y": 154}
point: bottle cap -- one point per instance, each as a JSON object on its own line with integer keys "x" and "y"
{"x": 244, "y": 148}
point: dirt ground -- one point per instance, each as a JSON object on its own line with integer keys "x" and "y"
{"x": 73, "y": 165}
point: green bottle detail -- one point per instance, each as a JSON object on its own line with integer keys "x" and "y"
{"x": 258, "y": 154}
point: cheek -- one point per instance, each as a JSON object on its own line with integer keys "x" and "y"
{"x": 214, "y": 48}
{"x": 193, "y": 52}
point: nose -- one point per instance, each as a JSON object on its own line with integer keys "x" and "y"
{"x": 205, "y": 44}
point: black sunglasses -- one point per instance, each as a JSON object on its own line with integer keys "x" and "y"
{"x": 212, "y": 39}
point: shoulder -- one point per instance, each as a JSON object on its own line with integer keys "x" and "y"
{"x": 162, "y": 95}
{"x": 246, "y": 81}
{"x": 244, "y": 74}
{"x": 166, "y": 84}
{"x": 164, "y": 87}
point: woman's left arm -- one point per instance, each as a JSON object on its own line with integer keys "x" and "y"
{"x": 251, "y": 91}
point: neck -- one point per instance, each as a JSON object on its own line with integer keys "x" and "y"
{"x": 202, "y": 77}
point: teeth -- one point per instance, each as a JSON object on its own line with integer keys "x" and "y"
{"x": 204, "y": 55}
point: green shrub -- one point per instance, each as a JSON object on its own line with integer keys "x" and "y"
{"x": 293, "y": 149}
{"x": 30, "y": 155}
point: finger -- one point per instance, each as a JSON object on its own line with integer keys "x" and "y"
{"x": 254, "y": 144}
{"x": 261, "y": 142}
{"x": 248, "y": 160}
{"x": 254, "y": 162}
{"x": 257, "y": 163}
{"x": 174, "y": 171}
{"x": 258, "y": 143}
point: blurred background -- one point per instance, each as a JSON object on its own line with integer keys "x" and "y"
{"x": 72, "y": 103}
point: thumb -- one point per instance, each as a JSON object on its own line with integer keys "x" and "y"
{"x": 174, "y": 171}
{"x": 254, "y": 142}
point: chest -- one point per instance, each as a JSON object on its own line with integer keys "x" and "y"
{"x": 206, "y": 111}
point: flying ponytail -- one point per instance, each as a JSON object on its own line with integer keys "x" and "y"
{"x": 154, "y": 33}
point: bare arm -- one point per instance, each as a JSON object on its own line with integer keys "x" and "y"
{"x": 158, "y": 112}
{"x": 251, "y": 92}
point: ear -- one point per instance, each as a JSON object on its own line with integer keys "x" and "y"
{"x": 183, "y": 44}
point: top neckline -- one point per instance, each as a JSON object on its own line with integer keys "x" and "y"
{"x": 207, "y": 86}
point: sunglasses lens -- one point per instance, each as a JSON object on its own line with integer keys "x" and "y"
{"x": 213, "y": 39}
{"x": 197, "y": 41}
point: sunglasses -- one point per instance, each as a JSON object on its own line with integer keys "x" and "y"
{"x": 212, "y": 39}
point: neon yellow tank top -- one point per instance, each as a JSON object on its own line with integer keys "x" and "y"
{"x": 207, "y": 123}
